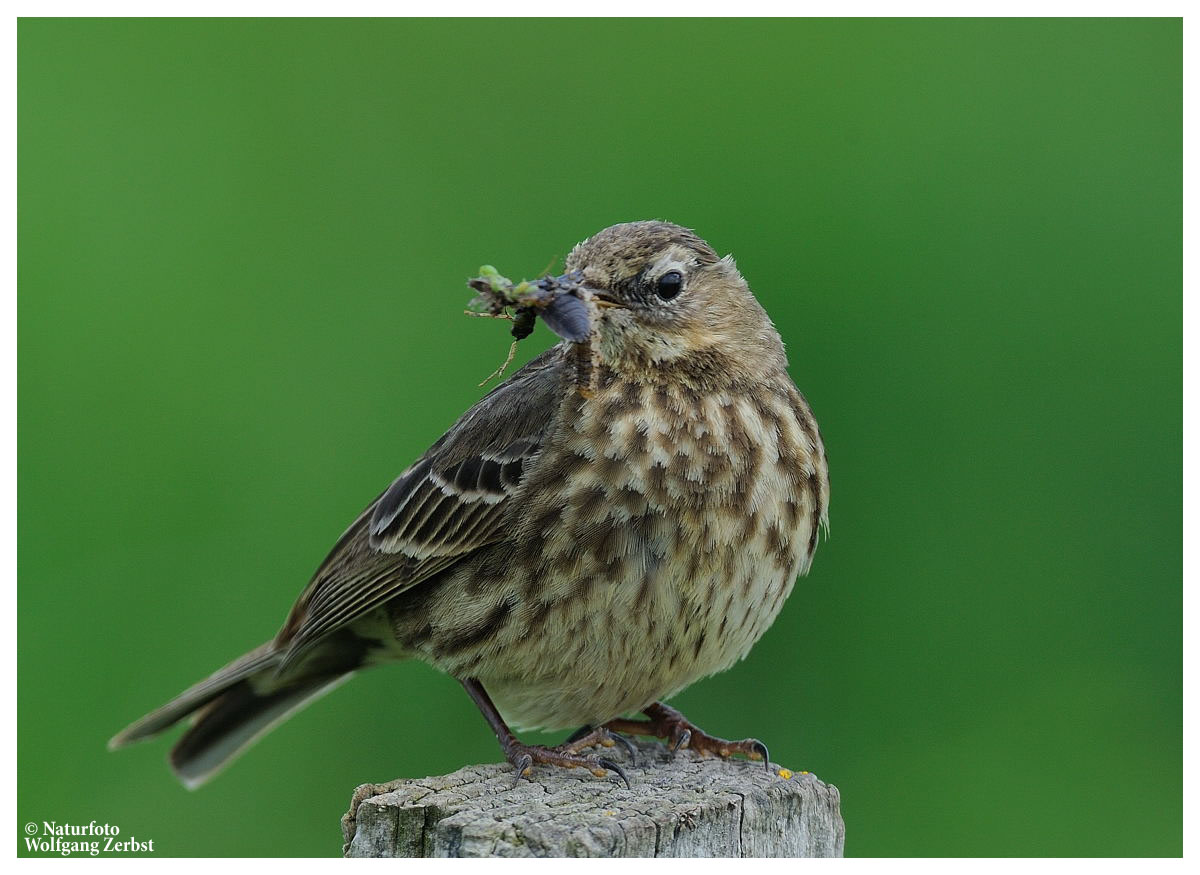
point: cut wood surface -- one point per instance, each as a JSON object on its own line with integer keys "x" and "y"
{"x": 681, "y": 805}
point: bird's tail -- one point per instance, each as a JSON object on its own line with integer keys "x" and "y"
{"x": 235, "y": 707}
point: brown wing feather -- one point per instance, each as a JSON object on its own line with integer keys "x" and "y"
{"x": 452, "y": 501}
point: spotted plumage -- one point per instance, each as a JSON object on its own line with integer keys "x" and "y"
{"x": 622, "y": 517}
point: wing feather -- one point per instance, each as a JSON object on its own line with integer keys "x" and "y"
{"x": 455, "y": 499}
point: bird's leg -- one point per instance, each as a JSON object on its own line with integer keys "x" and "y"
{"x": 523, "y": 756}
{"x": 666, "y": 722}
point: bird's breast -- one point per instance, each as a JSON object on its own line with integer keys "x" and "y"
{"x": 672, "y": 464}
{"x": 671, "y": 525}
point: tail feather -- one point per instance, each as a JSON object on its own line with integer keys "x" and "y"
{"x": 237, "y": 705}
{"x": 231, "y": 723}
{"x": 196, "y": 696}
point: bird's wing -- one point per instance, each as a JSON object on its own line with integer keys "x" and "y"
{"x": 453, "y": 500}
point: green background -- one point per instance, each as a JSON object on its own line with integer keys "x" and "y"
{"x": 243, "y": 247}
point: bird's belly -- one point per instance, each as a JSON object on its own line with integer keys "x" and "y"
{"x": 629, "y": 642}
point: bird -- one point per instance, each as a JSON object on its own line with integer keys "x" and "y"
{"x": 620, "y": 518}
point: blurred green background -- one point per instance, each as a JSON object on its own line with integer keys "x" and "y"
{"x": 243, "y": 247}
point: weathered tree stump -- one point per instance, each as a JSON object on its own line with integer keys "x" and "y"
{"x": 680, "y": 806}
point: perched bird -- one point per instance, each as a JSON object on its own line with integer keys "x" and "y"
{"x": 623, "y": 516}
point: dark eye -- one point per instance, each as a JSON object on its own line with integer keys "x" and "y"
{"x": 669, "y": 285}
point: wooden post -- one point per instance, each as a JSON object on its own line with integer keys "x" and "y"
{"x": 680, "y": 806}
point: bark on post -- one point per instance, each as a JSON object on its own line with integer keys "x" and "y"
{"x": 681, "y": 806}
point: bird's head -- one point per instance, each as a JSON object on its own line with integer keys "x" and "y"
{"x": 665, "y": 300}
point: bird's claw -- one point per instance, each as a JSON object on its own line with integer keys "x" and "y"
{"x": 761, "y": 750}
{"x": 613, "y": 767}
{"x": 629, "y": 748}
{"x": 523, "y": 766}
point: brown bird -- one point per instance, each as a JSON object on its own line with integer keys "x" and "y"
{"x": 623, "y": 516}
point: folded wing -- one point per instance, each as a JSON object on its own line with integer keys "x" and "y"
{"x": 455, "y": 499}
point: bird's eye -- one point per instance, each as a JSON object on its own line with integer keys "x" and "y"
{"x": 669, "y": 285}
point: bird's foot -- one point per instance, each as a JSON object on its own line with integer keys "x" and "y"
{"x": 567, "y": 755}
{"x": 667, "y": 723}
{"x": 585, "y": 737}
